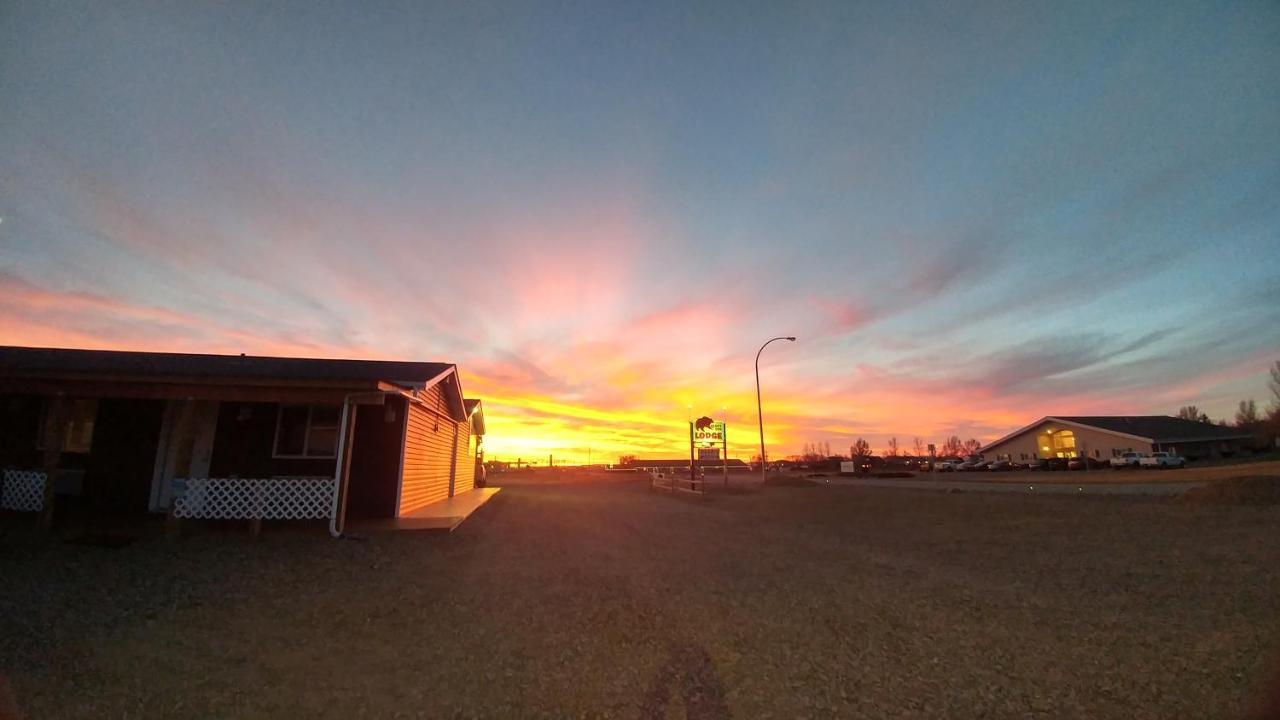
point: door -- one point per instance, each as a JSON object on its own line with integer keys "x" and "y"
{"x": 119, "y": 466}
{"x": 186, "y": 446}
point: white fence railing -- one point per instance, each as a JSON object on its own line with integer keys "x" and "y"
{"x": 289, "y": 498}
{"x": 22, "y": 490}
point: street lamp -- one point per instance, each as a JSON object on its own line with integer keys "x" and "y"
{"x": 759, "y": 411}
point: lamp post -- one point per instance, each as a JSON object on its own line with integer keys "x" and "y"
{"x": 759, "y": 410}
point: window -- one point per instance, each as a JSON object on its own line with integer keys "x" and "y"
{"x": 81, "y": 414}
{"x": 307, "y": 431}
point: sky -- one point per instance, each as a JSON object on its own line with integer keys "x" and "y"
{"x": 970, "y": 215}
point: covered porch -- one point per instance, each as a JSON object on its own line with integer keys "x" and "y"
{"x": 125, "y": 451}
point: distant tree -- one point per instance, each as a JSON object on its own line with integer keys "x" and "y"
{"x": 1247, "y": 414}
{"x": 952, "y": 447}
{"x": 972, "y": 446}
{"x": 1191, "y": 412}
{"x": 812, "y": 453}
{"x": 892, "y": 449}
{"x": 919, "y": 447}
{"x": 860, "y": 449}
{"x": 627, "y": 460}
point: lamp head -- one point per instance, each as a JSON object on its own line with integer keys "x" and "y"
{"x": 791, "y": 339}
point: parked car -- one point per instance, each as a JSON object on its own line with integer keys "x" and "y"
{"x": 1000, "y": 466}
{"x": 1049, "y": 464}
{"x": 1162, "y": 460}
{"x": 947, "y": 465}
{"x": 1127, "y": 461}
{"x": 1080, "y": 463}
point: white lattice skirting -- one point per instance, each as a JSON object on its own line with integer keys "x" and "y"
{"x": 22, "y": 490}
{"x": 294, "y": 498}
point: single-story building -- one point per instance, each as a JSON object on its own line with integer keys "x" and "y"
{"x": 674, "y": 465}
{"x": 232, "y": 436}
{"x": 1104, "y": 437}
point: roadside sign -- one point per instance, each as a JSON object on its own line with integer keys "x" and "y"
{"x": 933, "y": 450}
{"x": 711, "y": 435}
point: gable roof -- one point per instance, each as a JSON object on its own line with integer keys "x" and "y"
{"x": 475, "y": 410}
{"x": 1148, "y": 428}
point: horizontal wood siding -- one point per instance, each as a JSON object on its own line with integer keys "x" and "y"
{"x": 466, "y": 465}
{"x": 427, "y": 453}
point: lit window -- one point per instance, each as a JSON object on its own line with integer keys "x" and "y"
{"x": 307, "y": 431}
{"x": 81, "y": 414}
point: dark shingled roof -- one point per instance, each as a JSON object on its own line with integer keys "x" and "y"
{"x": 46, "y": 361}
{"x": 1160, "y": 428}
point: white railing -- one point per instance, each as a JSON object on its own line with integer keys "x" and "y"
{"x": 22, "y": 490}
{"x": 285, "y": 498}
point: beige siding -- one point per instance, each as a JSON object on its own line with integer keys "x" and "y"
{"x": 1097, "y": 443}
{"x": 427, "y": 444}
{"x": 438, "y": 453}
{"x": 466, "y": 478}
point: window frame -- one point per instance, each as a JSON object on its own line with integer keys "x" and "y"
{"x": 81, "y": 412}
{"x": 306, "y": 434}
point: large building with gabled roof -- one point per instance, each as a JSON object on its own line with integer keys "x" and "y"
{"x": 1105, "y": 436}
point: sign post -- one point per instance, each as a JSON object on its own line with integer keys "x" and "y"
{"x": 933, "y": 458}
{"x": 724, "y": 456}
{"x": 693, "y": 463}
{"x": 709, "y": 433}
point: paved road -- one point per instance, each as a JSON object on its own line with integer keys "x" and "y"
{"x": 1118, "y": 488}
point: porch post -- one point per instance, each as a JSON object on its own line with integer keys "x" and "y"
{"x": 184, "y": 451}
{"x": 55, "y": 435}
{"x": 348, "y": 447}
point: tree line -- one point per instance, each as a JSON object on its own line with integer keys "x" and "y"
{"x": 953, "y": 446}
{"x": 1264, "y": 425}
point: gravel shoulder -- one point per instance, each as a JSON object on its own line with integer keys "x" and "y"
{"x": 604, "y": 600}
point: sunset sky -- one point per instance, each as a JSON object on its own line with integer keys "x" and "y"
{"x": 971, "y": 215}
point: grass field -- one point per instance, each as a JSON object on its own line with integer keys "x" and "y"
{"x": 598, "y": 599}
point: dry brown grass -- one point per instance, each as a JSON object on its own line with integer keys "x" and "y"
{"x": 599, "y": 599}
{"x": 1252, "y": 490}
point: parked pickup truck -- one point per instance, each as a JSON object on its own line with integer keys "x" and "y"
{"x": 1162, "y": 460}
{"x": 1127, "y": 460}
